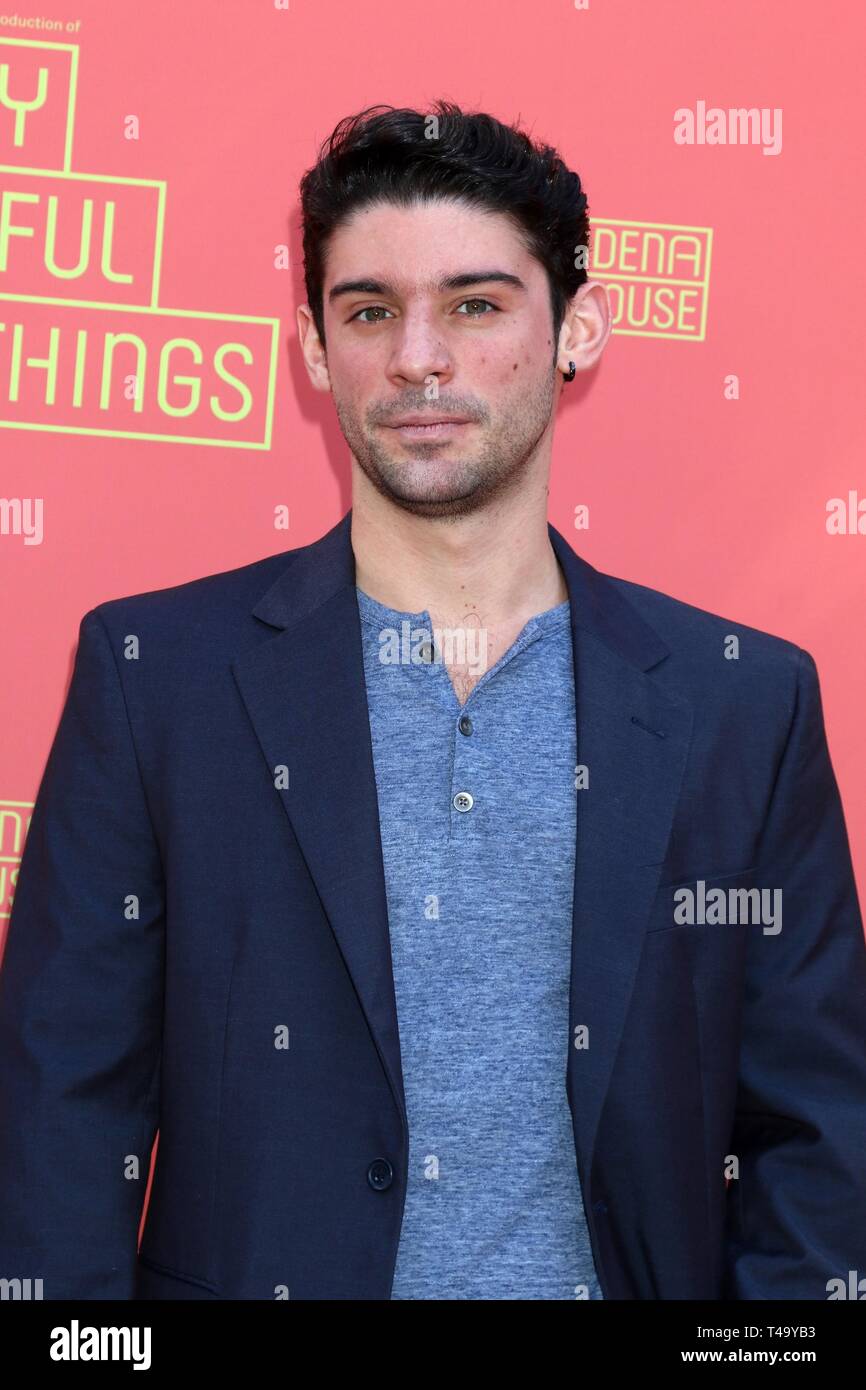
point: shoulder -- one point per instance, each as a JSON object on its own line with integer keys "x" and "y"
{"x": 711, "y": 654}
{"x": 207, "y": 605}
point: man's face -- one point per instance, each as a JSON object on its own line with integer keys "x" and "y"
{"x": 401, "y": 341}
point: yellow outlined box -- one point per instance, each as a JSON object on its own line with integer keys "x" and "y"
{"x": 7, "y": 151}
{"x": 665, "y": 294}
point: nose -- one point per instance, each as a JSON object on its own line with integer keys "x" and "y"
{"x": 420, "y": 349}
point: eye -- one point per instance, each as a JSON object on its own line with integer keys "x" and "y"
{"x": 371, "y": 309}
{"x": 380, "y": 309}
{"x": 478, "y": 301}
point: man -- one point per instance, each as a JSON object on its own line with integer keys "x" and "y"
{"x": 527, "y": 966}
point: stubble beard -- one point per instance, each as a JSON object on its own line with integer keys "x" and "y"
{"x": 467, "y": 484}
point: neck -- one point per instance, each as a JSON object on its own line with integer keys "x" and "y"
{"x": 497, "y": 562}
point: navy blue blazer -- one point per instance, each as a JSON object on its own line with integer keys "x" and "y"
{"x": 197, "y": 948}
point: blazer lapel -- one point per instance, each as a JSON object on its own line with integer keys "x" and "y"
{"x": 633, "y": 739}
{"x": 305, "y": 694}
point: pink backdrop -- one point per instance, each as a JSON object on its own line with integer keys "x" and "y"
{"x": 196, "y": 121}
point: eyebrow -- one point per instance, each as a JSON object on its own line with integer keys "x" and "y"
{"x": 464, "y": 281}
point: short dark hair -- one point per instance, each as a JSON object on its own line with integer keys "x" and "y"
{"x": 386, "y": 154}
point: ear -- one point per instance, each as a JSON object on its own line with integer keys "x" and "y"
{"x": 315, "y": 359}
{"x": 586, "y": 327}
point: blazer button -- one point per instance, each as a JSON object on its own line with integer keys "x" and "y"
{"x": 600, "y": 1207}
{"x": 380, "y": 1174}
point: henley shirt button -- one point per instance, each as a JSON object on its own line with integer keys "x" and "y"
{"x": 463, "y": 801}
{"x": 465, "y": 724}
{"x": 426, "y": 652}
{"x": 380, "y": 1174}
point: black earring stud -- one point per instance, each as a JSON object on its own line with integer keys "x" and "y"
{"x": 570, "y": 374}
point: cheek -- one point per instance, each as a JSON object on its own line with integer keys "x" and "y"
{"x": 355, "y": 381}
{"x": 523, "y": 364}
{"x": 504, "y": 369}
{"x": 517, "y": 366}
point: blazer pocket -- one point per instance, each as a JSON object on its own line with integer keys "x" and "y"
{"x": 692, "y": 908}
{"x": 157, "y": 1281}
{"x": 685, "y": 880}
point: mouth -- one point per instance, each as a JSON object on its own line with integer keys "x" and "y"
{"x": 430, "y": 430}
